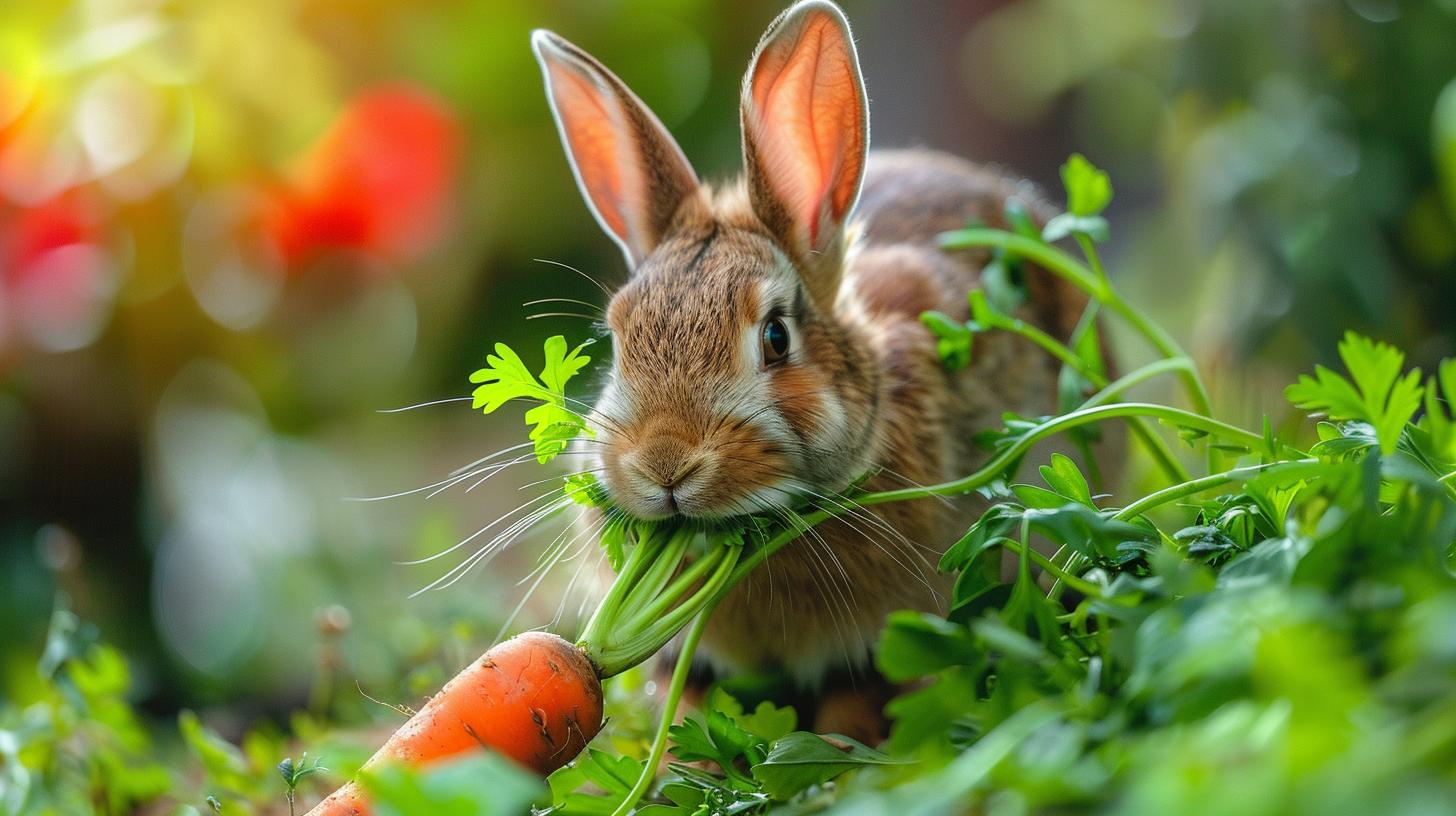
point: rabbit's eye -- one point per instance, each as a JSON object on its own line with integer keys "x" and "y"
{"x": 775, "y": 341}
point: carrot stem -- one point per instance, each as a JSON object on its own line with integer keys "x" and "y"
{"x": 669, "y": 709}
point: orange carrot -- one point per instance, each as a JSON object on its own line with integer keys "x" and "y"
{"x": 535, "y": 698}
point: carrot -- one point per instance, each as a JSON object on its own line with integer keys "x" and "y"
{"x": 535, "y": 698}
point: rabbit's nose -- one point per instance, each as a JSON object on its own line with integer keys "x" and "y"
{"x": 666, "y": 462}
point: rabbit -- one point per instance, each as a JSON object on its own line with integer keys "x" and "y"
{"x": 767, "y": 348}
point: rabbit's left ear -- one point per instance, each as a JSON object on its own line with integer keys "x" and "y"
{"x": 630, "y": 170}
{"x": 805, "y": 133}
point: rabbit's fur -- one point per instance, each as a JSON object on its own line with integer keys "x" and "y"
{"x": 698, "y": 416}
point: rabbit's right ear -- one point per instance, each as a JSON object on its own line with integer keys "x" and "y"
{"x": 630, "y": 170}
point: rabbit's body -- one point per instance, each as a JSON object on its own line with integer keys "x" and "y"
{"x": 768, "y": 348}
{"x": 820, "y": 603}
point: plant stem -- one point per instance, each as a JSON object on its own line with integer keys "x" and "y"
{"x": 1085, "y": 587}
{"x": 1156, "y": 368}
{"x": 665, "y": 601}
{"x": 669, "y": 710}
{"x": 1056, "y": 425}
{"x": 982, "y": 312}
{"x": 652, "y": 581}
{"x": 1089, "y": 249}
{"x": 1189, "y": 488}
{"x": 1088, "y": 281}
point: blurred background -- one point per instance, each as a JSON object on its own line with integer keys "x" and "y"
{"x": 233, "y": 235}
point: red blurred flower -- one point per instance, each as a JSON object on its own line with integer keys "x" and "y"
{"x": 59, "y": 279}
{"x": 377, "y": 181}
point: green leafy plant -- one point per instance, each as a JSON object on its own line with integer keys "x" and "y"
{"x": 506, "y": 377}
{"x": 292, "y": 773}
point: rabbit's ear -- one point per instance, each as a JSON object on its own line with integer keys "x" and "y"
{"x": 630, "y": 170}
{"x": 805, "y": 133}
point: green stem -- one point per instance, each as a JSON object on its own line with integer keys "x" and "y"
{"x": 982, "y": 312}
{"x": 1085, "y": 587}
{"x": 1089, "y": 249}
{"x": 1195, "y": 486}
{"x": 664, "y": 602}
{"x": 650, "y": 585}
{"x": 660, "y": 630}
{"x": 669, "y": 710}
{"x": 1156, "y": 368}
{"x": 1002, "y": 460}
{"x": 1088, "y": 281}
{"x": 609, "y": 606}
{"x": 1073, "y": 562}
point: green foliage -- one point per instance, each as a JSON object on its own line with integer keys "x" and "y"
{"x": 758, "y": 760}
{"x": 292, "y": 773}
{"x": 77, "y": 747}
{"x": 506, "y": 377}
{"x": 953, "y": 339}
{"x": 1089, "y": 191}
{"x": 480, "y": 784}
{"x": 1380, "y": 395}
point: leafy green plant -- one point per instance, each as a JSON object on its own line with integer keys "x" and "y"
{"x": 292, "y": 773}
{"x": 506, "y": 377}
{"x": 75, "y": 745}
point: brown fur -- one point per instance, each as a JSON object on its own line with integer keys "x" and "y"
{"x": 693, "y": 420}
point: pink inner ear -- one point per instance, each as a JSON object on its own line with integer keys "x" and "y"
{"x": 810, "y": 120}
{"x": 592, "y": 133}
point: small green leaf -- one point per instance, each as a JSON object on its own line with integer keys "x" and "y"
{"x": 1092, "y": 226}
{"x": 1037, "y": 498}
{"x": 802, "y": 760}
{"x": 506, "y": 377}
{"x": 1089, "y": 190}
{"x": 768, "y": 721}
{"x": 993, "y": 525}
{"x": 1003, "y": 287}
{"x": 503, "y": 379}
{"x": 953, "y": 339}
{"x": 914, "y": 644}
{"x": 1440, "y": 417}
{"x": 1063, "y": 476}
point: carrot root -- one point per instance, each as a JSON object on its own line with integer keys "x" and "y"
{"x": 535, "y": 698}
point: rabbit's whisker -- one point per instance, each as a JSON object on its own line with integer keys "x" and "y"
{"x": 540, "y": 315}
{"x": 539, "y": 301}
{"x": 423, "y": 405}
{"x": 598, "y": 284}
{"x": 500, "y": 542}
{"x": 474, "y": 535}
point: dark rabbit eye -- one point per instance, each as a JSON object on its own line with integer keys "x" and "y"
{"x": 775, "y": 341}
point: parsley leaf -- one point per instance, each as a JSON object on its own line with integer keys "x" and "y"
{"x": 506, "y": 377}
{"x": 1089, "y": 191}
{"x": 1379, "y": 394}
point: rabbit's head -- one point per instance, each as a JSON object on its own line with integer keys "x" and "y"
{"x": 735, "y": 387}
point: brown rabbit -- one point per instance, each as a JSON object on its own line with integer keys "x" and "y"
{"x": 767, "y": 348}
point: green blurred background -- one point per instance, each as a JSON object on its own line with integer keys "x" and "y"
{"x": 234, "y": 234}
